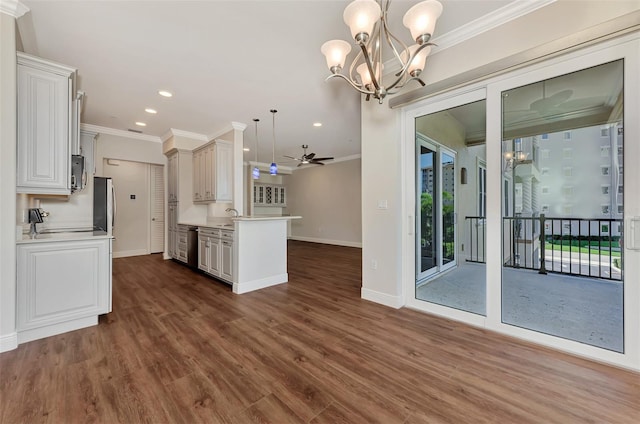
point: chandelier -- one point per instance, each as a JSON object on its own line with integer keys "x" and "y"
{"x": 367, "y": 20}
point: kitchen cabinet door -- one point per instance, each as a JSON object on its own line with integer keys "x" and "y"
{"x": 203, "y": 253}
{"x": 197, "y": 180}
{"x": 226, "y": 265}
{"x": 223, "y": 171}
{"x": 214, "y": 257}
{"x": 60, "y": 282}
{"x": 44, "y": 119}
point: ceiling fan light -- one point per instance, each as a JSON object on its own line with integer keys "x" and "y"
{"x": 335, "y": 51}
{"x": 421, "y": 19}
{"x": 417, "y": 63}
{"x": 361, "y": 16}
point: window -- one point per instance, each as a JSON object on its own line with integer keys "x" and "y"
{"x": 604, "y": 132}
{"x": 544, "y": 136}
{"x": 604, "y": 170}
{"x": 567, "y": 153}
{"x": 544, "y": 171}
{"x": 605, "y": 209}
{"x": 605, "y": 189}
{"x": 506, "y": 198}
{"x": 567, "y": 171}
{"x": 620, "y": 150}
{"x": 620, "y": 170}
{"x": 567, "y": 135}
{"x": 567, "y": 209}
{"x": 620, "y": 189}
{"x": 620, "y": 208}
{"x": 545, "y": 190}
{"x": 545, "y": 209}
{"x": 482, "y": 190}
{"x": 546, "y": 153}
{"x": 604, "y": 151}
{"x": 567, "y": 191}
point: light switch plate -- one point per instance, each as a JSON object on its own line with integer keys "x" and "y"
{"x": 383, "y": 204}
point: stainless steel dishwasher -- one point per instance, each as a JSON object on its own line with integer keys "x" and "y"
{"x": 192, "y": 247}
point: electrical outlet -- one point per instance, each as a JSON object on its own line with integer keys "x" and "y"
{"x": 374, "y": 264}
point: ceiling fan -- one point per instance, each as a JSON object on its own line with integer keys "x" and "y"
{"x": 308, "y": 158}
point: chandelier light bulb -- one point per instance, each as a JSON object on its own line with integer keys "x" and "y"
{"x": 336, "y": 52}
{"x": 417, "y": 63}
{"x": 365, "y": 76}
{"x": 361, "y": 16}
{"x": 421, "y": 20}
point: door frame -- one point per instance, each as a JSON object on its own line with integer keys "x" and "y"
{"x": 626, "y": 47}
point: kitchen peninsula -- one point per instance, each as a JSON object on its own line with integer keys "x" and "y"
{"x": 249, "y": 253}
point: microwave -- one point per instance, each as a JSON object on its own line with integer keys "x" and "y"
{"x": 78, "y": 174}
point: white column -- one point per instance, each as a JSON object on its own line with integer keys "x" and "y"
{"x": 238, "y": 161}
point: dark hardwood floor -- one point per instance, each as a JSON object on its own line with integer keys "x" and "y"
{"x": 182, "y": 348}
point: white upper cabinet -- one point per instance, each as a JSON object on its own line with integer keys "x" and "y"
{"x": 213, "y": 172}
{"x": 46, "y": 109}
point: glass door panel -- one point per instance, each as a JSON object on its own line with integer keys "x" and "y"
{"x": 427, "y": 258}
{"x": 447, "y": 166}
{"x": 450, "y": 252}
{"x": 563, "y": 154}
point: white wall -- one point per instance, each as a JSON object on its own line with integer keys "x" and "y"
{"x": 8, "y": 336}
{"x": 382, "y": 131}
{"x": 111, "y": 146}
{"x": 328, "y": 199}
{"x": 131, "y": 229}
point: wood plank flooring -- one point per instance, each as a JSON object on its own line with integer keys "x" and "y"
{"x": 182, "y": 348}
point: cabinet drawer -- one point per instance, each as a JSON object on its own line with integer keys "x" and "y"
{"x": 226, "y": 235}
{"x": 182, "y": 238}
{"x": 209, "y": 232}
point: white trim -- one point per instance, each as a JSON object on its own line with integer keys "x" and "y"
{"x": 25, "y": 336}
{"x": 382, "y": 298}
{"x": 223, "y": 131}
{"x": 127, "y": 253}
{"x": 8, "y": 342}
{"x": 238, "y": 126}
{"x": 188, "y": 134}
{"x": 120, "y": 133}
{"x": 248, "y": 286}
{"x": 491, "y": 20}
{"x": 14, "y": 8}
{"x": 328, "y": 241}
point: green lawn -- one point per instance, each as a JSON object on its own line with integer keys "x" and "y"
{"x": 576, "y": 249}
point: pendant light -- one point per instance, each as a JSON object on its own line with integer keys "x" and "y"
{"x": 273, "y": 169}
{"x": 256, "y": 171}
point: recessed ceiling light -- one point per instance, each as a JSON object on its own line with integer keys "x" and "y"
{"x": 149, "y": 110}
{"x": 141, "y": 124}
{"x": 317, "y": 124}
{"x": 165, "y": 93}
{"x": 246, "y": 149}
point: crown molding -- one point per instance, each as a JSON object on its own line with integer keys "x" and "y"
{"x": 238, "y": 126}
{"x": 188, "y": 134}
{"x": 224, "y": 130}
{"x": 13, "y": 8}
{"x": 120, "y": 133}
{"x": 498, "y": 17}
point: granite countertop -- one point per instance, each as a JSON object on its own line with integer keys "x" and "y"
{"x": 64, "y": 236}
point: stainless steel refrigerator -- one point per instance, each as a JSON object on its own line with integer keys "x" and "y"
{"x": 104, "y": 205}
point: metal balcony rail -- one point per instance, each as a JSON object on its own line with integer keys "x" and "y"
{"x": 572, "y": 246}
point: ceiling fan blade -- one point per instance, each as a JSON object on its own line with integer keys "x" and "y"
{"x": 319, "y": 159}
{"x": 290, "y": 157}
{"x": 299, "y": 165}
{"x": 310, "y": 156}
{"x": 314, "y": 162}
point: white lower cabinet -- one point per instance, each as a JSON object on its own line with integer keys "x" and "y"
{"x": 215, "y": 253}
{"x": 62, "y": 286}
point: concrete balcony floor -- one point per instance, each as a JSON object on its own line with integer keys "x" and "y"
{"x": 586, "y": 310}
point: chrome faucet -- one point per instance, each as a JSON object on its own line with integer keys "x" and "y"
{"x": 235, "y": 211}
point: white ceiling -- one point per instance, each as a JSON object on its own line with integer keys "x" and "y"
{"x": 224, "y": 61}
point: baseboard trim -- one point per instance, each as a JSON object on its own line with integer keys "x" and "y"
{"x": 8, "y": 342}
{"x": 25, "y": 336}
{"x": 328, "y": 241}
{"x": 127, "y": 253}
{"x": 261, "y": 283}
{"x": 395, "y": 302}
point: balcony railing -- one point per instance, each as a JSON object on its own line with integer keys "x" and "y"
{"x": 573, "y": 246}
